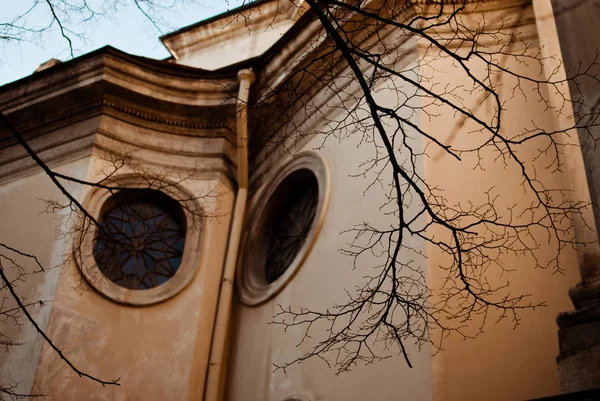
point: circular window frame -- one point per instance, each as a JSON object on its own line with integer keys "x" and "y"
{"x": 252, "y": 286}
{"x": 86, "y": 263}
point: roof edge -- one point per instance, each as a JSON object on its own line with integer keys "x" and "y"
{"x": 249, "y": 5}
{"x": 155, "y": 65}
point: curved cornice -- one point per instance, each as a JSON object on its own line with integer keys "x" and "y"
{"x": 145, "y": 92}
{"x": 130, "y": 111}
{"x": 162, "y": 80}
{"x": 181, "y": 122}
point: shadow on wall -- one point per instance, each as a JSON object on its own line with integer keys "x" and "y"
{"x": 587, "y": 395}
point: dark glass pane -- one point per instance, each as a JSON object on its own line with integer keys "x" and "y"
{"x": 293, "y": 215}
{"x": 141, "y": 239}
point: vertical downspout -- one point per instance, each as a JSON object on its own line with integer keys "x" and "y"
{"x": 216, "y": 367}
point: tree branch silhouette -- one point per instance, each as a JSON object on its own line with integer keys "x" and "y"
{"x": 395, "y": 304}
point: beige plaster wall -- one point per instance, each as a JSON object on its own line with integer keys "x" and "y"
{"x": 157, "y": 352}
{"x": 232, "y": 37}
{"x": 240, "y": 45}
{"x": 319, "y": 283}
{"x": 504, "y": 362}
{"x": 257, "y": 346}
{"x": 26, "y": 227}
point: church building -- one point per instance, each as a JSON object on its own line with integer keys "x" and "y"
{"x": 205, "y": 222}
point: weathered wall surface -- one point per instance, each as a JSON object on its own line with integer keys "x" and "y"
{"x": 505, "y": 362}
{"x": 160, "y": 351}
{"x": 138, "y": 120}
{"x": 26, "y": 227}
{"x": 157, "y": 351}
{"x": 319, "y": 284}
{"x": 258, "y": 346}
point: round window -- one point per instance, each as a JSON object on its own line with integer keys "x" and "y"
{"x": 287, "y": 214}
{"x": 147, "y": 245}
{"x": 141, "y": 238}
{"x": 291, "y": 212}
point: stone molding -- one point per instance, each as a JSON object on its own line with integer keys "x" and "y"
{"x": 66, "y": 114}
{"x": 252, "y": 287}
{"x": 111, "y": 80}
{"x": 164, "y": 81}
{"x": 100, "y": 91}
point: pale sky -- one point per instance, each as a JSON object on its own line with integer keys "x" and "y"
{"x": 127, "y": 30}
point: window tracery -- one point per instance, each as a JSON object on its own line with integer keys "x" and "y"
{"x": 141, "y": 238}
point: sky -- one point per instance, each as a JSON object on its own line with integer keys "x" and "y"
{"x": 123, "y": 27}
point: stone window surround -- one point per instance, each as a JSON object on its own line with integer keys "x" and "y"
{"x": 190, "y": 261}
{"x": 252, "y": 287}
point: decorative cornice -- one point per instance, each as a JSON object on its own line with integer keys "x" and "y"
{"x": 222, "y": 123}
{"x": 164, "y": 81}
{"x": 105, "y": 103}
{"x": 6, "y": 135}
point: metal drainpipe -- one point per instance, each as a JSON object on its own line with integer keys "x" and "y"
{"x": 216, "y": 368}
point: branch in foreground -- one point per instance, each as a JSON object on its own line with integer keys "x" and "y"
{"x": 23, "y": 308}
